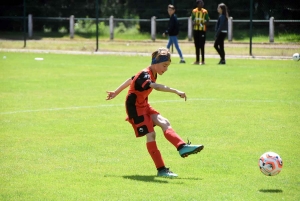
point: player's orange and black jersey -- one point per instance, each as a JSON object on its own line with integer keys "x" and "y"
{"x": 139, "y": 90}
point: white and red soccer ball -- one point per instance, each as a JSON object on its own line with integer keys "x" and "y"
{"x": 270, "y": 164}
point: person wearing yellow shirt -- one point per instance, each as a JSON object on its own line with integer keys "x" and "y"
{"x": 200, "y": 18}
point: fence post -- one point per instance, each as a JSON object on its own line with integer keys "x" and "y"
{"x": 30, "y": 25}
{"x": 153, "y": 28}
{"x": 72, "y": 26}
{"x": 271, "y": 30}
{"x": 111, "y": 27}
{"x": 190, "y": 29}
{"x": 230, "y": 29}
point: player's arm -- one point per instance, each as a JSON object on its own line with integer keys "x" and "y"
{"x": 113, "y": 94}
{"x": 207, "y": 18}
{"x": 160, "y": 87}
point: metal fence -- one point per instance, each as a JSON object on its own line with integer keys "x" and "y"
{"x": 155, "y": 25}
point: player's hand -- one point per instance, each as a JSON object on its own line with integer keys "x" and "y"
{"x": 182, "y": 95}
{"x": 110, "y": 95}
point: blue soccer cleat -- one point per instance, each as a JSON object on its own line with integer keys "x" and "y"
{"x": 189, "y": 149}
{"x": 166, "y": 173}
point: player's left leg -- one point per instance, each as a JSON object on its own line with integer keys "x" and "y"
{"x": 170, "y": 134}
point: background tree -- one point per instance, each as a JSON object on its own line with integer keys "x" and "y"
{"x": 142, "y": 9}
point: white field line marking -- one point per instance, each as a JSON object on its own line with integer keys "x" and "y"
{"x": 62, "y": 108}
{"x": 163, "y": 101}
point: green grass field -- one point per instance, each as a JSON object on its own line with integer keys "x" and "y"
{"x": 284, "y": 46}
{"x": 61, "y": 140}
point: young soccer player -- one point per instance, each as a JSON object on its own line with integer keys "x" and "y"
{"x": 143, "y": 117}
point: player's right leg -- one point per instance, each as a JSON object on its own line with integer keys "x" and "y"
{"x": 162, "y": 170}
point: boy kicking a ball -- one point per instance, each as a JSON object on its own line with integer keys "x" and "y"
{"x": 143, "y": 117}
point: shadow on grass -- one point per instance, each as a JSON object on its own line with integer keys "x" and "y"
{"x": 156, "y": 179}
{"x": 270, "y": 191}
{"x": 145, "y": 178}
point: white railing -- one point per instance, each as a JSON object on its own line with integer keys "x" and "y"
{"x": 153, "y": 21}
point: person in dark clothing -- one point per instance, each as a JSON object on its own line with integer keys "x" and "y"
{"x": 221, "y": 31}
{"x": 200, "y": 18}
{"x": 172, "y": 31}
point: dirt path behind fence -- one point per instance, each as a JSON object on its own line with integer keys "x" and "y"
{"x": 88, "y": 46}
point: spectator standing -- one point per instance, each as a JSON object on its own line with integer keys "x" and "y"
{"x": 221, "y": 31}
{"x": 200, "y": 18}
{"x": 172, "y": 31}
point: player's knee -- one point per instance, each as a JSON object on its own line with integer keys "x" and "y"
{"x": 151, "y": 136}
{"x": 165, "y": 122}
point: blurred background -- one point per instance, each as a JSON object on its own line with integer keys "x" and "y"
{"x": 51, "y": 17}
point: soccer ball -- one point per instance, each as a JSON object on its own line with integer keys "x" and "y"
{"x": 270, "y": 164}
{"x": 296, "y": 57}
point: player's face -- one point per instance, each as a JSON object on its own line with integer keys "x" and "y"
{"x": 170, "y": 11}
{"x": 162, "y": 67}
{"x": 219, "y": 10}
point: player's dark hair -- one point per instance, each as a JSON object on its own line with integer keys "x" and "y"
{"x": 224, "y": 9}
{"x": 201, "y": 2}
